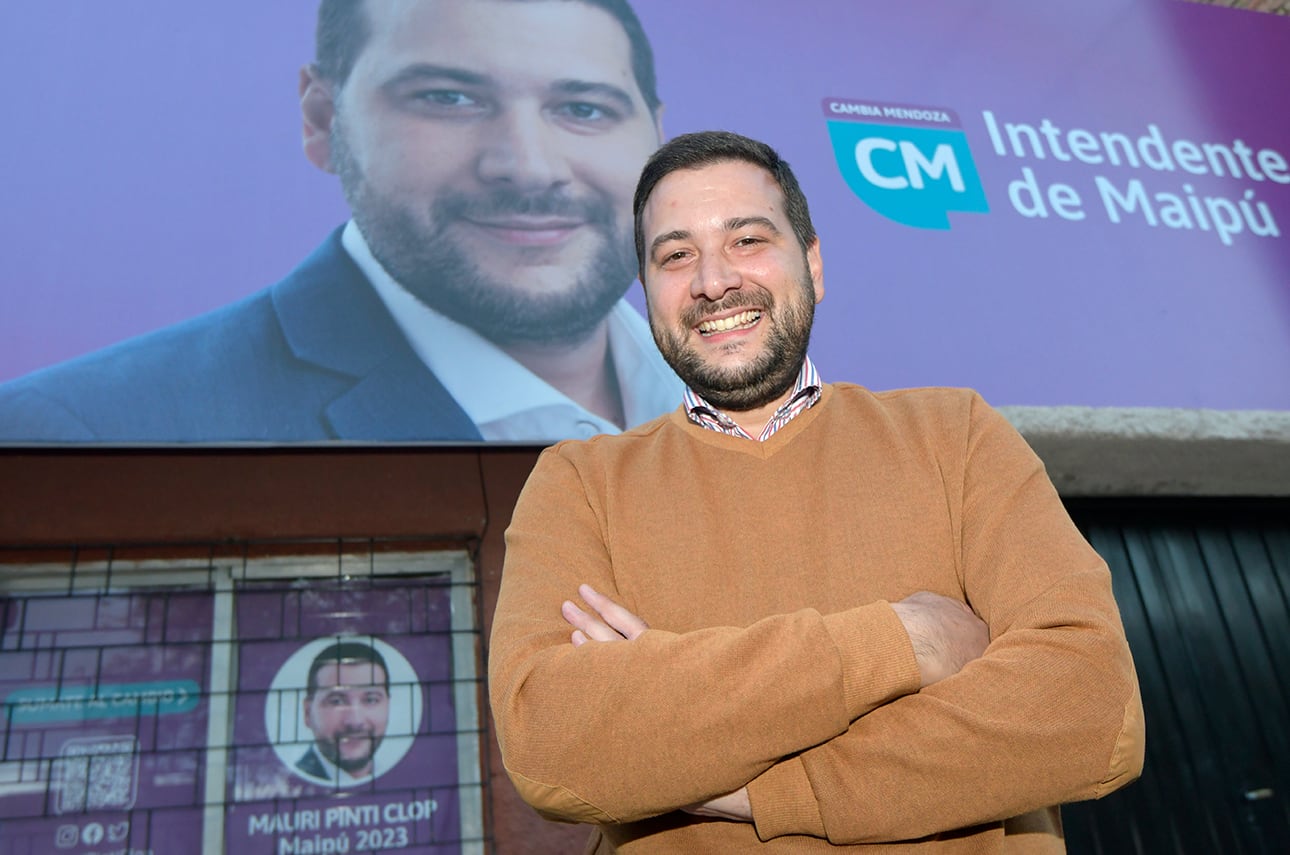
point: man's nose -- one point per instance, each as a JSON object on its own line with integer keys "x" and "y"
{"x": 523, "y": 150}
{"x": 714, "y": 275}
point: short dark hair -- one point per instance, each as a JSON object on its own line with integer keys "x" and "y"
{"x": 345, "y": 653}
{"x": 339, "y": 36}
{"x": 704, "y": 148}
{"x": 342, "y": 31}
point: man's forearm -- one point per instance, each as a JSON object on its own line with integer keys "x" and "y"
{"x": 944, "y": 633}
{"x": 692, "y": 715}
{"x": 1049, "y": 715}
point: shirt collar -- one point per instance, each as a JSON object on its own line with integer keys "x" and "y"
{"x": 806, "y": 391}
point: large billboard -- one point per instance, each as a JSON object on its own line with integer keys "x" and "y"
{"x": 1057, "y": 204}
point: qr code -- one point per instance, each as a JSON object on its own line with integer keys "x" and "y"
{"x": 98, "y": 773}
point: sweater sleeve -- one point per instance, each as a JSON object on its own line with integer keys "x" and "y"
{"x": 616, "y": 732}
{"x": 1050, "y": 714}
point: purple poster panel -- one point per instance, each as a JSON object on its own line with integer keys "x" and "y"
{"x": 345, "y": 729}
{"x": 105, "y": 723}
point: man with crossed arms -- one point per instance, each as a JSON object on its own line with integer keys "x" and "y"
{"x": 794, "y": 615}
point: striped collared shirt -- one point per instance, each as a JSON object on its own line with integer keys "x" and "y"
{"x": 806, "y": 391}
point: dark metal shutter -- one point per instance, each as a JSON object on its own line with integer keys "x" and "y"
{"x": 1204, "y": 590}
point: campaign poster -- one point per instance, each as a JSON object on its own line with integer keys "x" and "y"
{"x": 345, "y": 730}
{"x": 105, "y": 723}
{"x": 1058, "y": 204}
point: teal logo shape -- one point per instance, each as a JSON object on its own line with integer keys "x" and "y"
{"x": 914, "y": 173}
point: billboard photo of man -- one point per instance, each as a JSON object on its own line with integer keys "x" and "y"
{"x": 487, "y": 151}
{"x": 347, "y": 708}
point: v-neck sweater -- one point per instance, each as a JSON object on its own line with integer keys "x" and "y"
{"x": 773, "y": 658}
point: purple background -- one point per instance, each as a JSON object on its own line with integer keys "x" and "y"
{"x": 414, "y": 617}
{"x": 151, "y": 170}
{"x": 88, "y": 641}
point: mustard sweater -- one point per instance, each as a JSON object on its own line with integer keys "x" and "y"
{"x": 773, "y": 658}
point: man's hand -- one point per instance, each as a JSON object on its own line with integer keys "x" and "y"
{"x": 945, "y": 633}
{"x": 611, "y": 622}
{"x": 730, "y": 806}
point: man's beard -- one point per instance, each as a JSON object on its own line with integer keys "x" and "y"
{"x": 770, "y": 374}
{"x": 439, "y": 273}
{"x": 331, "y": 750}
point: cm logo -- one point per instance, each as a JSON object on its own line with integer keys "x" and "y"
{"x": 913, "y": 175}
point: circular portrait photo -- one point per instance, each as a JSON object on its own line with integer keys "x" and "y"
{"x": 343, "y": 710}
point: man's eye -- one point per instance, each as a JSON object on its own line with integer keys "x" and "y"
{"x": 748, "y": 241}
{"x": 445, "y": 98}
{"x": 584, "y": 111}
{"x": 674, "y": 257}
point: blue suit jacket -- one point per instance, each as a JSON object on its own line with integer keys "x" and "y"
{"x": 311, "y": 765}
{"x": 314, "y": 357}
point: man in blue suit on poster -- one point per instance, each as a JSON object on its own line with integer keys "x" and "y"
{"x": 488, "y": 152}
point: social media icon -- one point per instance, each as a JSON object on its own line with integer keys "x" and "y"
{"x": 66, "y": 836}
{"x": 92, "y": 833}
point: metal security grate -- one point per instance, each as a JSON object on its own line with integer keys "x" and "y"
{"x": 1204, "y": 589}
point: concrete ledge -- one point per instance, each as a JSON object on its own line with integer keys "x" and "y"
{"x": 1140, "y": 451}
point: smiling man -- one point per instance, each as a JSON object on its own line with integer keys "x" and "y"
{"x": 798, "y": 616}
{"x": 488, "y": 150}
{"x": 347, "y": 708}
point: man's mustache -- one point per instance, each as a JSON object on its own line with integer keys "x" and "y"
{"x": 740, "y": 299}
{"x": 349, "y": 732}
{"x": 503, "y": 202}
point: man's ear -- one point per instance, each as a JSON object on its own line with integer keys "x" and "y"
{"x": 815, "y": 264}
{"x": 318, "y": 111}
